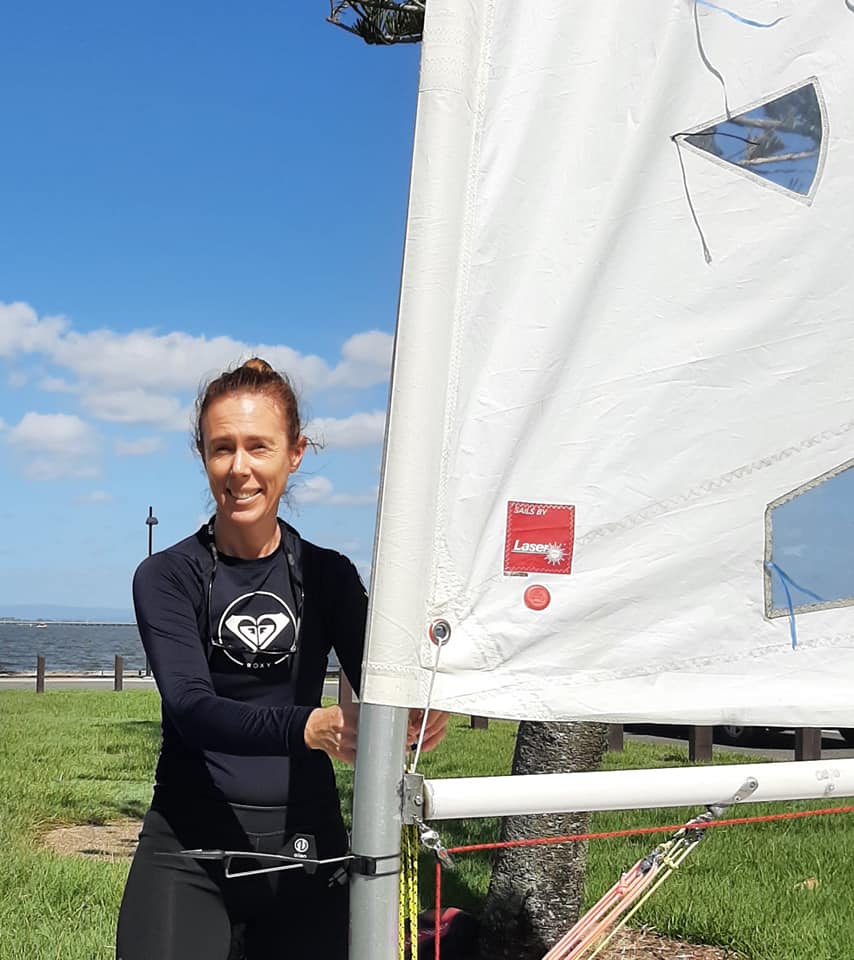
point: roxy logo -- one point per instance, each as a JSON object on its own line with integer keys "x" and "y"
{"x": 554, "y": 553}
{"x": 257, "y": 632}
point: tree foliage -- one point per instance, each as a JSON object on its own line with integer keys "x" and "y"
{"x": 380, "y": 22}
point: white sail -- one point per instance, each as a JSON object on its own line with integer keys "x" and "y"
{"x": 624, "y": 372}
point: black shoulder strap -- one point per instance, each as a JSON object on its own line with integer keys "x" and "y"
{"x": 213, "y": 559}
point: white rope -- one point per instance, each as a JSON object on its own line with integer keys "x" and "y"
{"x": 426, "y": 709}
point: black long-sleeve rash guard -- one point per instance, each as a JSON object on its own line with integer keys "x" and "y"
{"x": 235, "y": 704}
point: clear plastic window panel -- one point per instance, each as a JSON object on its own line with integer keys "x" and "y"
{"x": 779, "y": 141}
{"x": 809, "y": 562}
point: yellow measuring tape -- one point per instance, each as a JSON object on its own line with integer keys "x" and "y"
{"x": 408, "y": 909}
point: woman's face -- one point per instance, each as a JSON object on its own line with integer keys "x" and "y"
{"x": 247, "y": 456}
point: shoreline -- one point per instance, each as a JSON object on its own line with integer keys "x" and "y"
{"x": 76, "y": 680}
{"x": 135, "y": 673}
{"x": 68, "y": 674}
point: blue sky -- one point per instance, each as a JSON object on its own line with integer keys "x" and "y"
{"x": 181, "y": 186}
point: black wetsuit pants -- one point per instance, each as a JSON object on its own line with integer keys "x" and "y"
{"x": 175, "y": 908}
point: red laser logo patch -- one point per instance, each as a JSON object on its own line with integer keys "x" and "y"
{"x": 540, "y": 537}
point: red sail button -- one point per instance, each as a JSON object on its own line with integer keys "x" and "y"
{"x": 537, "y": 597}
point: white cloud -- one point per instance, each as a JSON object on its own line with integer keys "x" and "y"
{"x": 55, "y": 385}
{"x": 21, "y": 330}
{"x": 309, "y": 491}
{"x": 51, "y": 446}
{"x": 358, "y": 430}
{"x": 367, "y": 360}
{"x": 166, "y": 362}
{"x": 138, "y": 448}
{"x": 52, "y": 433}
{"x": 136, "y": 406}
{"x": 354, "y": 499}
{"x": 95, "y": 497}
{"x": 2, "y": 424}
{"x": 113, "y": 371}
{"x": 179, "y": 361}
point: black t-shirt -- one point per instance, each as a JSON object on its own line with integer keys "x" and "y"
{"x": 254, "y": 613}
{"x": 239, "y": 676}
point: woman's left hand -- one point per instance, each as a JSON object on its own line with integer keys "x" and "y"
{"x": 333, "y": 730}
{"x": 345, "y": 747}
{"x": 434, "y": 731}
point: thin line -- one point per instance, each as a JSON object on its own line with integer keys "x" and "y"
{"x": 793, "y": 630}
{"x": 426, "y": 709}
{"x": 709, "y": 65}
{"x": 785, "y": 576}
{"x": 752, "y": 23}
{"x": 785, "y": 580}
{"x": 643, "y": 831}
{"x": 706, "y": 253}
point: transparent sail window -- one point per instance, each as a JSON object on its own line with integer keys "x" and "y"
{"x": 780, "y": 140}
{"x": 809, "y": 554}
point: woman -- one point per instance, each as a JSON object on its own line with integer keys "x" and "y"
{"x": 237, "y": 621}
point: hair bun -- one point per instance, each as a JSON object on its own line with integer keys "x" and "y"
{"x": 252, "y": 376}
{"x": 258, "y": 365}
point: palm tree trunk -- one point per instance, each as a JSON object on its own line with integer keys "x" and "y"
{"x": 536, "y": 892}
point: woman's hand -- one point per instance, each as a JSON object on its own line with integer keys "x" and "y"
{"x": 434, "y": 732}
{"x": 333, "y": 730}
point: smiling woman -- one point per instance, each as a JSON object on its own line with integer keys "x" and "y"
{"x": 249, "y": 437}
{"x": 238, "y": 621}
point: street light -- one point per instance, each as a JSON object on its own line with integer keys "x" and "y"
{"x": 151, "y": 522}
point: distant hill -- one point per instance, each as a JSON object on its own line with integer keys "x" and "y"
{"x": 53, "y": 611}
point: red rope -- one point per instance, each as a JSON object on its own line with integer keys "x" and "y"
{"x": 636, "y": 832}
{"x": 437, "y": 920}
{"x": 641, "y": 831}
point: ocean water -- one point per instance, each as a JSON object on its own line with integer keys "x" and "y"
{"x": 73, "y": 647}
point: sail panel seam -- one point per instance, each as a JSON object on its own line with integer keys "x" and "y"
{"x": 694, "y": 494}
{"x": 460, "y": 300}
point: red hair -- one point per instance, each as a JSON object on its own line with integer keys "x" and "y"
{"x": 253, "y": 376}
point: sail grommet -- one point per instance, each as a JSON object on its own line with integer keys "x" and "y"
{"x": 440, "y": 632}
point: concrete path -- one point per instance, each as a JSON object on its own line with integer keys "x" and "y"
{"x": 78, "y": 681}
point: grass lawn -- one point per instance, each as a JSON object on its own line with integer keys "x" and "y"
{"x": 774, "y": 892}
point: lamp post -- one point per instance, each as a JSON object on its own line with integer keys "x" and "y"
{"x": 151, "y": 522}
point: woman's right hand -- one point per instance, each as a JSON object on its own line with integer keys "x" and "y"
{"x": 333, "y": 730}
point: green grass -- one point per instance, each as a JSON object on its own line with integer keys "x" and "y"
{"x": 774, "y": 891}
{"x": 88, "y": 756}
{"x": 67, "y": 757}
